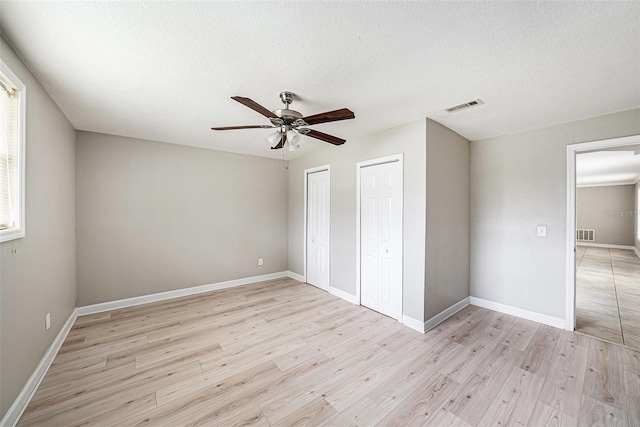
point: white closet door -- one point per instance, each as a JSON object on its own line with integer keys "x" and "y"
{"x": 381, "y": 238}
{"x": 369, "y": 263}
{"x": 318, "y": 229}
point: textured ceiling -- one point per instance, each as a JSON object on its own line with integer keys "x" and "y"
{"x": 166, "y": 70}
{"x": 618, "y": 166}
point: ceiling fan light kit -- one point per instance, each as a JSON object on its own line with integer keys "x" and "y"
{"x": 291, "y": 123}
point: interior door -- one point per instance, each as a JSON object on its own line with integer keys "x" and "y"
{"x": 318, "y": 229}
{"x": 381, "y": 238}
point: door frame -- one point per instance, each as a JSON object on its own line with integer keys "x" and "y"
{"x": 373, "y": 162}
{"x": 308, "y": 172}
{"x": 572, "y": 150}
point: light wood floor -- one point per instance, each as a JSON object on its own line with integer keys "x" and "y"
{"x": 608, "y": 294}
{"x": 283, "y": 353}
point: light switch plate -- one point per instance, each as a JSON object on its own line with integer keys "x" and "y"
{"x": 541, "y": 231}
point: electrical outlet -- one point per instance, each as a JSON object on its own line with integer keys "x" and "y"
{"x": 260, "y": 261}
{"x": 541, "y": 231}
{"x": 47, "y": 321}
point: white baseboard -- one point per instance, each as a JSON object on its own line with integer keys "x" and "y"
{"x": 606, "y": 245}
{"x": 16, "y": 410}
{"x": 296, "y": 276}
{"x": 333, "y": 291}
{"x": 162, "y": 296}
{"x": 344, "y": 295}
{"x": 518, "y": 312}
{"x": 636, "y": 251}
{"x": 445, "y": 314}
{"x": 413, "y": 323}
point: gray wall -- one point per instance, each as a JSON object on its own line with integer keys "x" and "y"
{"x": 155, "y": 217}
{"x": 518, "y": 182}
{"x": 608, "y": 211}
{"x": 41, "y": 277}
{"x": 408, "y": 139}
{"x": 448, "y": 219}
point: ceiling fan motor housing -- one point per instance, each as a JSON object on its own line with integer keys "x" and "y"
{"x": 287, "y": 116}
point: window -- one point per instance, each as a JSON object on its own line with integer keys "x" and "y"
{"x": 12, "y": 141}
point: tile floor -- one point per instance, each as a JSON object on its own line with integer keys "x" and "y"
{"x": 608, "y": 294}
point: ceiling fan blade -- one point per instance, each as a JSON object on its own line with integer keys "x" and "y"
{"x": 244, "y": 127}
{"x": 324, "y": 137}
{"x": 281, "y": 143}
{"x": 329, "y": 116}
{"x": 254, "y": 106}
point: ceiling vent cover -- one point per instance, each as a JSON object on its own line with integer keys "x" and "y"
{"x": 469, "y": 104}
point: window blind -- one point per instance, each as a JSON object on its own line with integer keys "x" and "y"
{"x": 8, "y": 157}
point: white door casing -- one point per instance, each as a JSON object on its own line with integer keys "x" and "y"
{"x": 380, "y": 235}
{"x": 317, "y": 228}
{"x": 572, "y": 150}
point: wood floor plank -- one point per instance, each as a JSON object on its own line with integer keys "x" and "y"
{"x": 565, "y": 381}
{"x": 345, "y": 395}
{"x": 547, "y": 416}
{"x": 285, "y": 353}
{"x": 482, "y": 387}
{"x": 313, "y": 413}
{"x": 403, "y": 384}
{"x": 424, "y": 404}
{"x": 632, "y": 391}
{"x": 212, "y": 383}
{"x": 462, "y": 366}
{"x": 596, "y": 413}
{"x": 540, "y": 351}
{"x": 361, "y": 414}
{"x": 288, "y": 400}
{"x": 118, "y": 389}
{"x": 516, "y": 400}
{"x": 604, "y": 377}
{"x": 444, "y": 418}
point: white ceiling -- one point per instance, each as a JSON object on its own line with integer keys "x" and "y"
{"x": 166, "y": 70}
{"x": 611, "y": 167}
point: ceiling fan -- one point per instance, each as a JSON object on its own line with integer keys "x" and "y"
{"x": 290, "y": 123}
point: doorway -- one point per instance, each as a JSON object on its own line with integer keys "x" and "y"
{"x": 379, "y": 235}
{"x": 317, "y": 226}
{"x": 583, "y": 256}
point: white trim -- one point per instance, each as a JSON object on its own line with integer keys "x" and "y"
{"x": 19, "y": 405}
{"x": 570, "y": 252}
{"x": 556, "y": 322}
{"x": 605, "y": 245}
{"x": 445, "y": 314}
{"x": 21, "y": 230}
{"x": 162, "y": 296}
{"x": 636, "y": 251}
{"x": 379, "y": 161}
{"x": 296, "y": 276}
{"x": 413, "y": 323}
{"x": 572, "y": 150}
{"x": 344, "y": 295}
{"x": 606, "y": 184}
{"x": 307, "y": 172}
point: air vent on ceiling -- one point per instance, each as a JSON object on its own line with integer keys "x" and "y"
{"x": 469, "y": 104}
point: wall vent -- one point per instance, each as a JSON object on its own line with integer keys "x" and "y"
{"x": 585, "y": 235}
{"x": 469, "y": 104}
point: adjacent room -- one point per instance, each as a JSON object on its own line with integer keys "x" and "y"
{"x": 608, "y": 262}
{"x": 285, "y": 213}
